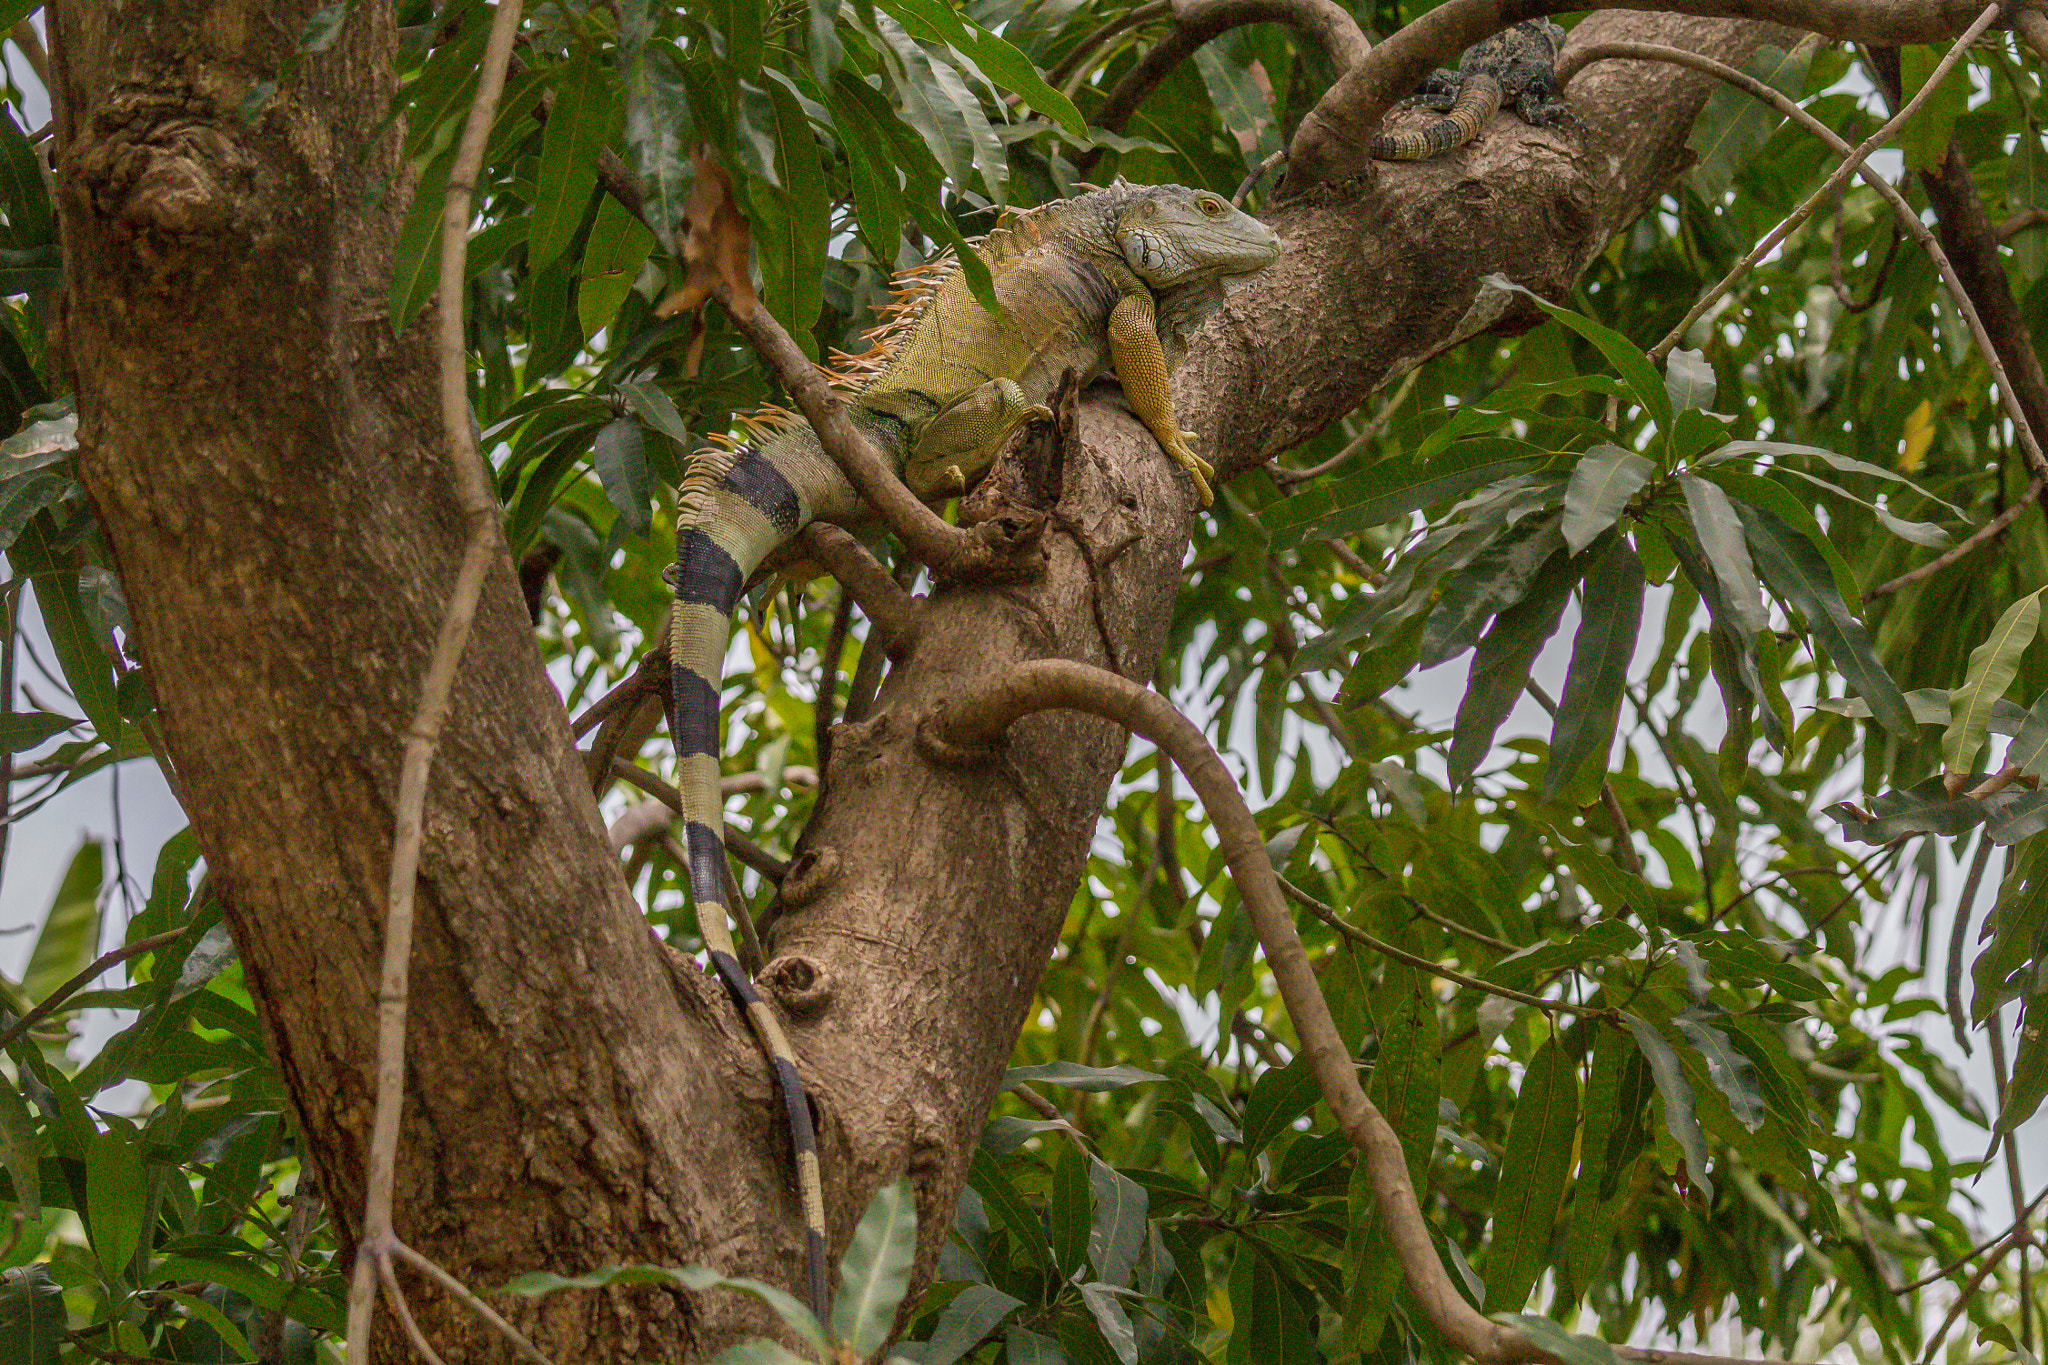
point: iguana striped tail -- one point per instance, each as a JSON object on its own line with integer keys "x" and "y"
{"x": 1478, "y": 100}
{"x": 734, "y": 508}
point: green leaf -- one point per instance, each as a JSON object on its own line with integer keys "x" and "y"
{"x": 1075, "y": 1077}
{"x": 965, "y": 1323}
{"x": 117, "y": 1198}
{"x": 1798, "y": 573}
{"x": 1024, "y": 1347}
{"x": 230, "y": 1335}
{"x": 1603, "y": 481}
{"x": 21, "y": 1151}
{"x": 1923, "y": 808}
{"x": 1719, "y": 528}
{"x": 1629, "y": 362}
{"x": 998, "y": 60}
{"x": 988, "y": 1179}
{"x": 1993, "y": 666}
{"x": 658, "y": 125}
{"x": 1571, "y": 1348}
{"x": 877, "y": 197}
{"x": 32, "y": 1316}
{"x": 586, "y": 106}
{"x": 1116, "y": 1233}
{"x": 1391, "y": 489}
{"x": 1689, "y": 380}
{"x": 875, "y": 1273}
{"x": 2028, "y": 1084}
{"x": 25, "y": 729}
{"x": 1925, "y": 137}
{"x": 759, "y": 1351}
{"x": 620, "y": 458}
{"x": 1533, "y": 1171}
{"x": 1281, "y": 1095}
{"x": 1067, "y": 1210}
{"x": 1735, "y": 125}
{"x": 794, "y": 1315}
{"x": 1501, "y": 663}
{"x": 1493, "y": 582}
{"x": 1610, "y": 614}
{"x": 1730, "y": 1072}
{"x": 618, "y": 246}
{"x": 2030, "y": 746}
{"x": 30, "y": 219}
{"x": 1112, "y": 1321}
{"x": 1784, "y": 450}
{"x": 71, "y": 930}
{"x": 1680, "y": 1113}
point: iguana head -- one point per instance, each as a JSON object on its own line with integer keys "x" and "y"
{"x": 1172, "y": 235}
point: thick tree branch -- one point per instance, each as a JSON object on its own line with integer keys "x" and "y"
{"x": 861, "y": 576}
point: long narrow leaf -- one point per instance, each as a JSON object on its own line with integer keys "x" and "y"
{"x": 1680, "y": 1107}
{"x": 1533, "y": 1170}
{"x": 1715, "y": 522}
{"x": 1500, "y": 665}
{"x": 1798, "y": 573}
{"x": 875, "y": 1273}
{"x": 1610, "y": 614}
{"x": 1993, "y": 665}
{"x": 1629, "y": 362}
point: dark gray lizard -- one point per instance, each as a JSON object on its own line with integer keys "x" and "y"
{"x": 1516, "y": 66}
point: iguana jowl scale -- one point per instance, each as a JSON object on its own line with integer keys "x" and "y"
{"x": 1111, "y": 278}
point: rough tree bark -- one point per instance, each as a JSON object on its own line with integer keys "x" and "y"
{"x": 266, "y": 461}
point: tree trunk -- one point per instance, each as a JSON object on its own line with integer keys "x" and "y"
{"x": 268, "y": 468}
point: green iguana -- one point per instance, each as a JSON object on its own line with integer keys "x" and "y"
{"x": 1516, "y": 66}
{"x": 1111, "y": 278}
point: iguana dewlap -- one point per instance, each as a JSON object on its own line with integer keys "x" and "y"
{"x": 1111, "y": 279}
{"x": 1515, "y": 67}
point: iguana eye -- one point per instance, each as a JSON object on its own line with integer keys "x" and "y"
{"x": 1210, "y": 205}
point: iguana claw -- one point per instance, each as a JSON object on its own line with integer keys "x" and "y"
{"x": 1199, "y": 469}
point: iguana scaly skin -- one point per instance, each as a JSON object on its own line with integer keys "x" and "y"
{"x": 1516, "y": 66}
{"x": 1109, "y": 279}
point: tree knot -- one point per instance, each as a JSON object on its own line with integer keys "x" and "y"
{"x": 801, "y": 984}
{"x": 809, "y": 874}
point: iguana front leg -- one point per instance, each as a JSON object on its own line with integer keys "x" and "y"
{"x": 1140, "y": 361}
{"x": 962, "y": 439}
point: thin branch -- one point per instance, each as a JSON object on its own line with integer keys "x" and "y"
{"x": 1852, "y": 162}
{"x": 1990, "y": 531}
{"x": 470, "y": 1301}
{"x": 824, "y": 705}
{"x": 31, "y": 44}
{"x": 2018, "y": 1224}
{"x": 1330, "y": 143}
{"x": 627, "y": 692}
{"x": 2020, "y": 222}
{"x": 1380, "y": 945}
{"x": 1884, "y": 271}
{"x": 481, "y": 512}
{"x": 1196, "y": 22}
{"x": 2020, "y": 1235}
{"x": 1067, "y": 74}
{"x": 1285, "y": 476}
{"x": 54, "y": 1001}
{"x": 980, "y": 713}
{"x": 1038, "y": 1103}
{"x": 402, "y": 1307}
{"x": 1907, "y": 217}
{"x": 894, "y": 612}
{"x": 2016, "y": 1185}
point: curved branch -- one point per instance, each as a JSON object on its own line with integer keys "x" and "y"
{"x": 1908, "y": 219}
{"x": 51, "y": 1003}
{"x": 480, "y": 509}
{"x": 1990, "y": 530}
{"x": 1331, "y": 141}
{"x": 894, "y": 612}
{"x": 1196, "y": 22}
{"x": 1065, "y": 75}
{"x": 983, "y": 710}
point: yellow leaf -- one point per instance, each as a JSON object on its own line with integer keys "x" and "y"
{"x": 1919, "y": 436}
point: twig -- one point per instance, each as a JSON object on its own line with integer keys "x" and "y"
{"x": 52, "y": 1002}
{"x": 1285, "y": 476}
{"x": 10, "y": 616}
{"x": 2020, "y": 1235}
{"x": 824, "y": 705}
{"x": 31, "y": 44}
{"x": 1991, "y": 530}
{"x": 1044, "y": 1107}
{"x": 387, "y": 1275}
{"x": 2020, "y": 222}
{"x": 1255, "y": 1038}
{"x": 985, "y": 708}
{"x": 470, "y": 1301}
{"x": 2018, "y": 1224}
{"x": 1851, "y": 164}
{"x": 1380, "y": 945}
{"x": 480, "y": 510}
{"x": 627, "y": 692}
{"x": 1067, "y": 74}
{"x": 1884, "y": 271}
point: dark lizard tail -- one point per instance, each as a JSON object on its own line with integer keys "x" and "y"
{"x": 733, "y": 510}
{"x": 1477, "y": 102}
